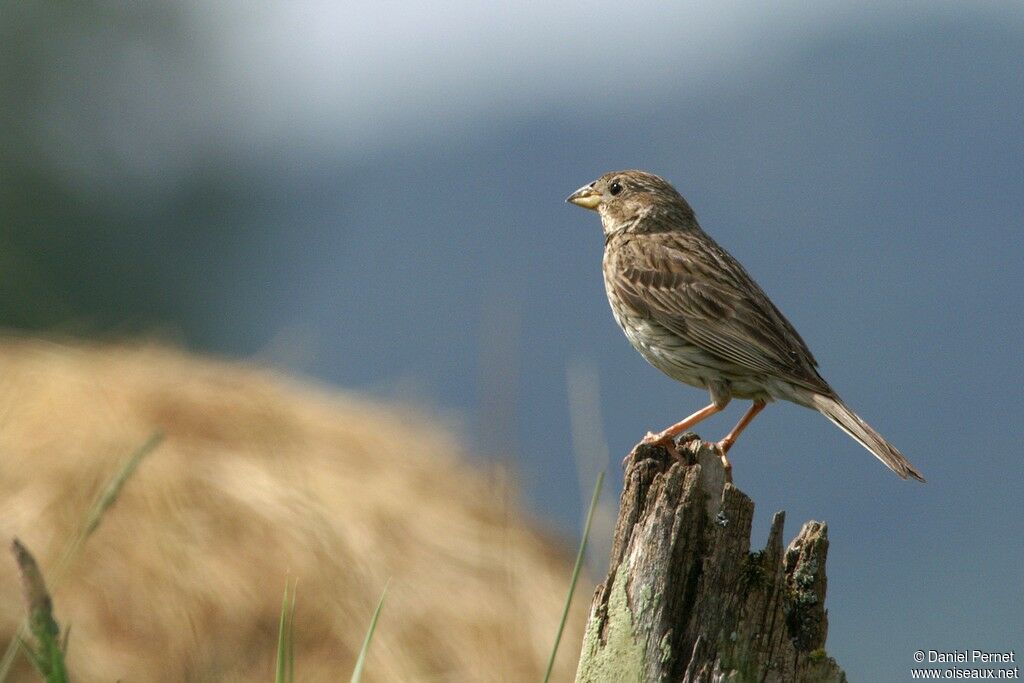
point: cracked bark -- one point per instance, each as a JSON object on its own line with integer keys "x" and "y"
{"x": 686, "y": 600}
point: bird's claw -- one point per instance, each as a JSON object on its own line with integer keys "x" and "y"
{"x": 666, "y": 441}
{"x": 721, "y": 447}
{"x": 651, "y": 439}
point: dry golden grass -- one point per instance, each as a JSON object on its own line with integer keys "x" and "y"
{"x": 261, "y": 478}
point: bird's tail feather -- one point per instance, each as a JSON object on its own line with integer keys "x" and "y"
{"x": 847, "y": 420}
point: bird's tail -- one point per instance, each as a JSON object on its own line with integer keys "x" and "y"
{"x": 847, "y": 420}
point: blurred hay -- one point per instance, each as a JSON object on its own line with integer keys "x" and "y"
{"x": 261, "y": 477}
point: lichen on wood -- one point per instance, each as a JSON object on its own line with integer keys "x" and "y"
{"x": 686, "y": 600}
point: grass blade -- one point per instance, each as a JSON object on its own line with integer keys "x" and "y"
{"x": 45, "y": 650}
{"x": 291, "y": 637}
{"x": 575, "y": 574}
{"x": 113, "y": 489}
{"x": 92, "y": 522}
{"x": 357, "y": 673}
{"x": 285, "y": 637}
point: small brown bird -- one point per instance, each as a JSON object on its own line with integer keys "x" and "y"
{"x": 694, "y": 313}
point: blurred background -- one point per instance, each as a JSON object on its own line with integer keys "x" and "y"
{"x": 371, "y": 194}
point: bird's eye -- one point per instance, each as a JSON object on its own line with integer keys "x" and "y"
{"x": 615, "y": 188}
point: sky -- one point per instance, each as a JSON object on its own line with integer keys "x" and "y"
{"x": 387, "y": 215}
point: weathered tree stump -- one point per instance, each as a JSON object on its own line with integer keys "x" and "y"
{"x": 686, "y": 600}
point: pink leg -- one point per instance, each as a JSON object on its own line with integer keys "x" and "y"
{"x": 666, "y": 436}
{"x": 725, "y": 444}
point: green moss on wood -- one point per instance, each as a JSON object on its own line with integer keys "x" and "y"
{"x": 620, "y": 657}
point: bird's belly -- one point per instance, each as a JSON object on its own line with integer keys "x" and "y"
{"x": 666, "y": 351}
{"x": 685, "y": 362}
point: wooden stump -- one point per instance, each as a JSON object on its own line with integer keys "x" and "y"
{"x": 686, "y": 600}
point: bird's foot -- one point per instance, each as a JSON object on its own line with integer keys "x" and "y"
{"x": 722, "y": 447}
{"x": 664, "y": 439}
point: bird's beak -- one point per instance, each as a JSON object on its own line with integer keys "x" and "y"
{"x": 586, "y": 196}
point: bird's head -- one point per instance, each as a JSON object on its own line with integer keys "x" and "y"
{"x": 636, "y": 201}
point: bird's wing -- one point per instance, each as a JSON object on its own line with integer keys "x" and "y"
{"x": 706, "y": 297}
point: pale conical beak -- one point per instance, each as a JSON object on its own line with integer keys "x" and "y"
{"x": 586, "y": 196}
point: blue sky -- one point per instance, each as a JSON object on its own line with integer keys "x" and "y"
{"x": 398, "y": 227}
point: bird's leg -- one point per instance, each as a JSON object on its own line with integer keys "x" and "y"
{"x": 665, "y": 437}
{"x": 725, "y": 444}
{"x": 684, "y": 424}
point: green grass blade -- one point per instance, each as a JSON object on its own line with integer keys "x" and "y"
{"x": 285, "y": 637}
{"x": 92, "y": 522}
{"x": 44, "y": 650}
{"x": 291, "y": 636}
{"x": 575, "y": 574}
{"x": 113, "y": 488}
{"x": 357, "y": 673}
{"x": 282, "y": 629}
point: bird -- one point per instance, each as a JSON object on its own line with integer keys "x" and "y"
{"x": 693, "y": 312}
